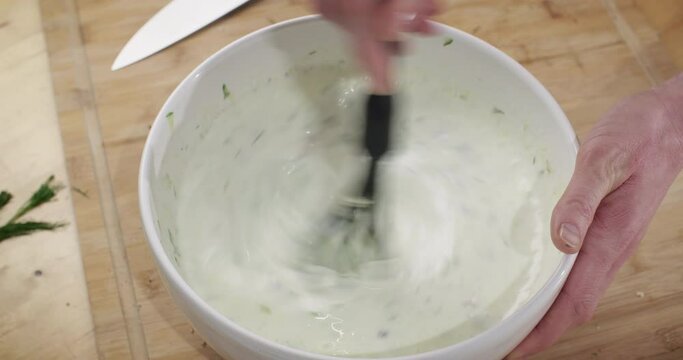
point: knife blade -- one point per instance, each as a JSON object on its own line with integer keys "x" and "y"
{"x": 172, "y": 23}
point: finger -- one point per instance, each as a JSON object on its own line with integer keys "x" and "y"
{"x": 415, "y": 16}
{"x": 619, "y": 224}
{"x": 574, "y": 305}
{"x": 385, "y": 23}
{"x": 599, "y": 170}
{"x": 549, "y": 329}
{"x": 375, "y": 58}
{"x": 330, "y": 10}
{"x": 351, "y": 15}
{"x": 418, "y": 7}
{"x": 395, "y": 47}
{"x": 419, "y": 24}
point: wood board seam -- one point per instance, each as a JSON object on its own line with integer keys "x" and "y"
{"x": 117, "y": 249}
{"x": 632, "y": 42}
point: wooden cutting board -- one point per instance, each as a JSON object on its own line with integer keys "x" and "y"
{"x": 588, "y": 53}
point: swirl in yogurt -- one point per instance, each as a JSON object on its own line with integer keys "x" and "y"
{"x": 463, "y": 212}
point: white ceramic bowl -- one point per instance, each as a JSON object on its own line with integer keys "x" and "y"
{"x": 474, "y": 64}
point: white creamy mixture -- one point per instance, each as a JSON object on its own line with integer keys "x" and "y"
{"x": 461, "y": 215}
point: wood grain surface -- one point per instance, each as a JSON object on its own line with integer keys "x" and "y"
{"x": 44, "y": 309}
{"x": 588, "y": 53}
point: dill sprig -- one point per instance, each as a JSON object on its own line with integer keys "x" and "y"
{"x": 45, "y": 193}
{"x": 5, "y": 198}
{"x": 26, "y": 228}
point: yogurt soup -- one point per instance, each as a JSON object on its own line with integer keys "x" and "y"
{"x": 463, "y": 211}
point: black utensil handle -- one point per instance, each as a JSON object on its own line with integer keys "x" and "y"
{"x": 369, "y": 188}
{"x": 379, "y": 111}
{"x": 378, "y": 124}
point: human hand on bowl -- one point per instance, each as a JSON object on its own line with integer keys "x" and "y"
{"x": 373, "y": 24}
{"x": 623, "y": 171}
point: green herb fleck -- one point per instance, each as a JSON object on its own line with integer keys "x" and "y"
{"x": 496, "y": 110}
{"x": 226, "y": 92}
{"x": 533, "y": 161}
{"x": 313, "y": 52}
{"x": 382, "y": 334}
{"x": 176, "y": 253}
{"x": 447, "y": 41}
{"x": 80, "y": 192}
{"x": 170, "y": 118}
{"x": 548, "y": 168}
{"x": 258, "y": 137}
{"x": 465, "y": 95}
{"x": 265, "y": 309}
{"x": 171, "y": 185}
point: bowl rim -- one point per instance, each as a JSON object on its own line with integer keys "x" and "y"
{"x": 551, "y": 286}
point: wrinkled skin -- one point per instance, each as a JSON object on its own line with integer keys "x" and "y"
{"x": 624, "y": 169}
{"x": 376, "y": 27}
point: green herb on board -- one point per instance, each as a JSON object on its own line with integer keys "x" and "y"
{"x": 548, "y": 168}
{"x": 170, "y": 118}
{"x": 5, "y": 198}
{"x": 15, "y": 228}
{"x": 45, "y": 193}
{"x": 226, "y": 92}
{"x": 448, "y": 41}
{"x": 496, "y": 110}
{"x": 80, "y": 192}
{"x": 26, "y": 228}
{"x": 313, "y": 52}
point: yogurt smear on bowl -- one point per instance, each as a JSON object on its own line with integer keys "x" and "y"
{"x": 464, "y": 211}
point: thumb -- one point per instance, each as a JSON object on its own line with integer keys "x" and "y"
{"x": 600, "y": 169}
{"x": 384, "y": 23}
